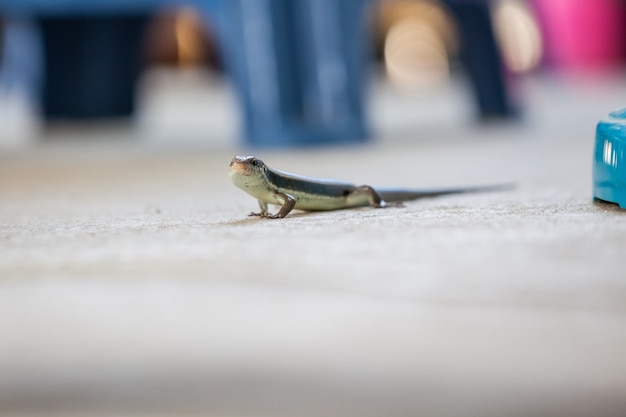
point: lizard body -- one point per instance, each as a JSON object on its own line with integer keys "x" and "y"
{"x": 292, "y": 191}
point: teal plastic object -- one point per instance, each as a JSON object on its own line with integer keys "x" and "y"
{"x": 609, "y": 161}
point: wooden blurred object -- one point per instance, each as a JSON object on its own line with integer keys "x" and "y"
{"x": 180, "y": 38}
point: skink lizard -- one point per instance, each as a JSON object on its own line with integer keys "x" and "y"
{"x": 292, "y": 191}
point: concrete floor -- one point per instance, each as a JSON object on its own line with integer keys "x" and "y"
{"x": 133, "y": 283}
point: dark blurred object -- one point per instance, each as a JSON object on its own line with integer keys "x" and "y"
{"x": 299, "y": 67}
{"x": 180, "y": 38}
{"x": 92, "y": 64}
{"x": 480, "y": 56}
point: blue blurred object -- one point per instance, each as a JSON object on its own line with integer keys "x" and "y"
{"x": 299, "y": 67}
{"x": 20, "y": 57}
{"x": 81, "y": 7}
{"x": 609, "y": 162}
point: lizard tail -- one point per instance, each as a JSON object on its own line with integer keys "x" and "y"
{"x": 398, "y": 194}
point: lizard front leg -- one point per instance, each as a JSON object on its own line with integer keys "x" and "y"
{"x": 289, "y": 202}
{"x": 263, "y": 212}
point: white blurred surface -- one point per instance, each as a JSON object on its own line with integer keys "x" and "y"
{"x": 133, "y": 283}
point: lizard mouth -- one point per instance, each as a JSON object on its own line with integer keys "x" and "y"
{"x": 239, "y": 165}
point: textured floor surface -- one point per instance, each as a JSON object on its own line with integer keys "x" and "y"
{"x": 133, "y": 283}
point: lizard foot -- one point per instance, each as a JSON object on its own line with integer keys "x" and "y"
{"x": 266, "y": 215}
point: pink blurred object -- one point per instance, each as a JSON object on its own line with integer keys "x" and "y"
{"x": 582, "y": 34}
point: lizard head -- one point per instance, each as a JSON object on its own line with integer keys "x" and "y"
{"x": 247, "y": 171}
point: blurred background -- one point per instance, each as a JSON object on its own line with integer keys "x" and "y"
{"x": 282, "y": 73}
{"x": 132, "y": 281}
